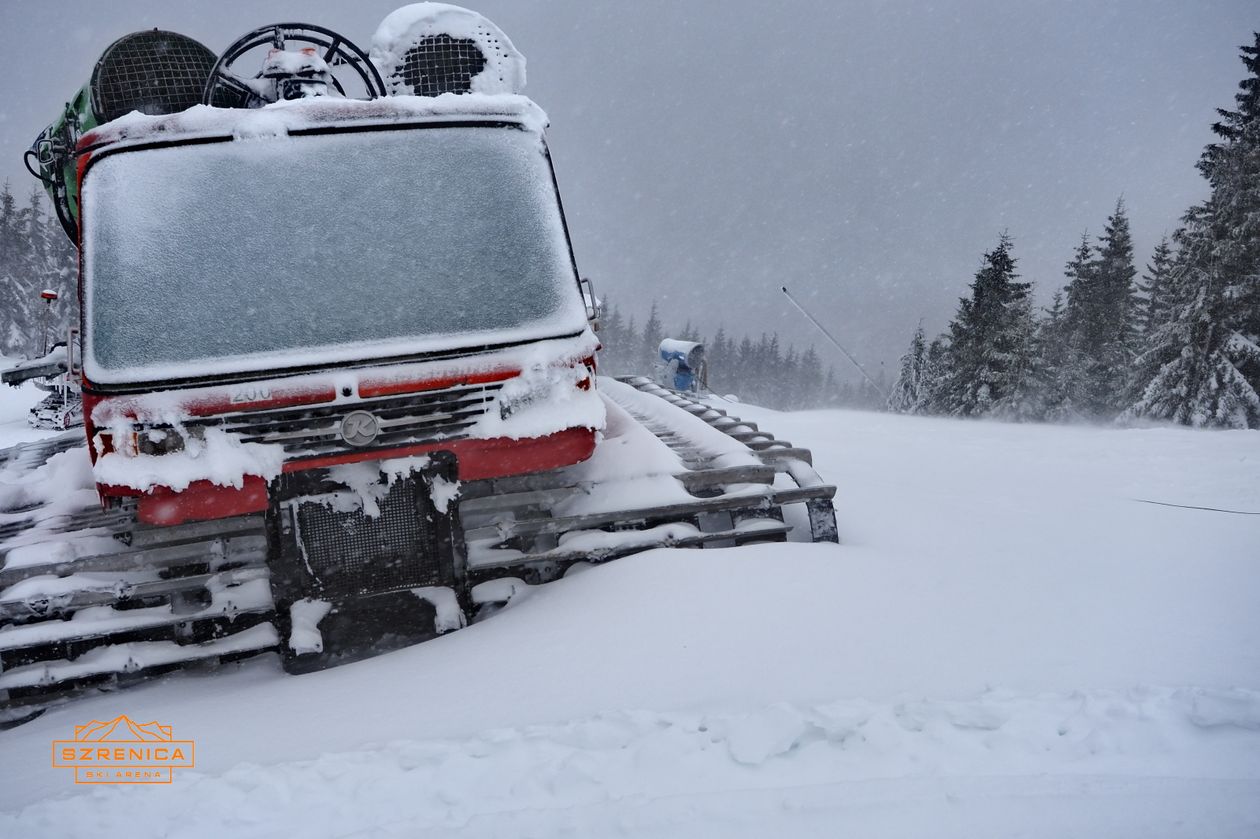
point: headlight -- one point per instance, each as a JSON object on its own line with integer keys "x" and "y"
{"x": 509, "y": 405}
{"x": 159, "y": 440}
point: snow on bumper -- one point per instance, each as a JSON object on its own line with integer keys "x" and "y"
{"x": 186, "y": 457}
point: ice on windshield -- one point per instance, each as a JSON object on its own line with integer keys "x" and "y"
{"x": 253, "y": 254}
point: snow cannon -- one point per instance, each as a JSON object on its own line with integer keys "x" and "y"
{"x": 153, "y": 72}
{"x": 427, "y": 49}
{"x": 683, "y": 365}
{"x": 287, "y": 61}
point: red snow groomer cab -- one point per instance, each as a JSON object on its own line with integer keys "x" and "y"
{"x": 338, "y": 369}
{"x": 271, "y": 292}
{"x": 297, "y": 297}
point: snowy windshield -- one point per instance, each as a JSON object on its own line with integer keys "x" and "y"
{"x": 252, "y": 254}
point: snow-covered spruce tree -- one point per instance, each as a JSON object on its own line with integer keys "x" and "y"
{"x": 833, "y": 395}
{"x": 1153, "y": 306}
{"x": 1080, "y": 284}
{"x": 1100, "y": 334}
{"x": 1198, "y": 365}
{"x": 1202, "y": 368}
{"x": 811, "y": 379}
{"x": 991, "y": 359}
{"x": 612, "y": 340}
{"x": 1065, "y": 341}
{"x": 1057, "y": 366}
{"x": 34, "y": 255}
{"x": 653, "y": 333}
{"x": 786, "y": 385}
{"x": 720, "y": 361}
{"x": 931, "y": 385}
{"x": 1239, "y": 127}
{"x": 907, "y": 392}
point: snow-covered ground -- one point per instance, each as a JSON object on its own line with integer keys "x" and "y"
{"x": 1009, "y": 643}
{"x": 15, "y": 405}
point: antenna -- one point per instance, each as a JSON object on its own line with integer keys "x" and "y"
{"x": 832, "y": 339}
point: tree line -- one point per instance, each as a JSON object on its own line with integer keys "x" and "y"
{"x": 1180, "y": 343}
{"x": 757, "y": 369}
{"x": 34, "y": 255}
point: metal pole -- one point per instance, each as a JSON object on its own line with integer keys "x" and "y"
{"x": 47, "y": 311}
{"x": 832, "y": 339}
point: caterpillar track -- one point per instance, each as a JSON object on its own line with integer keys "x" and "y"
{"x": 91, "y": 599}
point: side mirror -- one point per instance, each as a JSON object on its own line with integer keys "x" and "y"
{"x": 593, "y": 308}
{"x": 74, "y": 354}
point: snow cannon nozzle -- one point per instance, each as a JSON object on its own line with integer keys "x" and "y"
{"x": 683, "y": 365}
{"x": 153, "y": 72}
{"x": 427, "y": 49}
{"x": 298, "y": 62}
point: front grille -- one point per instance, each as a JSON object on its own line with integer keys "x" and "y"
{"x": 350, "y": 553}
{"x": 432, "y": 416}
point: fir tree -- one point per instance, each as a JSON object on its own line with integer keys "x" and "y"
{"x": 612, "y": 341}
{"x": 810, "y": 378}
{"x": 653, "y": 334}
{"x": 1080, "y": 286}
{"x": 1098, "y": 319}
{"x": 1196, "y": 366}
{"x": 1116, "y": 278}
{"x": 931, "y": 386}
{"x": 907, "y": 391}
{"x": 833, "y": 396}
{"x": 718, "y": 358}
{"x": 990, "y": 342}
{"x": 790, "y": 394}
{"x": 34, "y": 255}
{"x": 1232, "y": 123}
{"x": 1056, "y": 363}
{"x": 1202, "y": 368}
{"x": 1154, "y": 304}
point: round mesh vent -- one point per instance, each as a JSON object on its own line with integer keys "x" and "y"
{"x": 441, "y": 64}
{"x": 151, "y": 72}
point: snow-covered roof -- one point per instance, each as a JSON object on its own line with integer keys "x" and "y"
{"x": 278, "y": 119}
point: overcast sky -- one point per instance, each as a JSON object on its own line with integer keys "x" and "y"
{"x": 864, "y": 154}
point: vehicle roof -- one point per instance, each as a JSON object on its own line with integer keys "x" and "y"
{"x": 281, "y": 118}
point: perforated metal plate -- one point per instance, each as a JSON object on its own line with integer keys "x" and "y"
{"x": 441, "y": 64}
{"x": 152, "y": 72}
{"x": 352, "y": 553}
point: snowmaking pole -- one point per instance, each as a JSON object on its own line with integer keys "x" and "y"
{"x": 832, "y": 339}
{"x": 48, "y": 296}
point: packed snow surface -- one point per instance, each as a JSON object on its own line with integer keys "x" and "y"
{"x": 15, "y": 406}
{"x": 1010, "y": 642}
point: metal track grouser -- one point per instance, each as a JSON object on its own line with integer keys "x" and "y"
{"x": 337, "y": 369}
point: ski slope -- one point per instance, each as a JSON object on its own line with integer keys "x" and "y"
{"x": 15, "y": 405}
{"x": 1008, "y": 643}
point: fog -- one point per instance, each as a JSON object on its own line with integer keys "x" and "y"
{"x": 863, "y": 154}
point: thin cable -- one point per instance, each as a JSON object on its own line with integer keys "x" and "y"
{"x": 832, "y": 339}
{"x": 1192, "y": 507}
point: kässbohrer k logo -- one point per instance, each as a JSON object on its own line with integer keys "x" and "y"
{"x": 123, "y": 751}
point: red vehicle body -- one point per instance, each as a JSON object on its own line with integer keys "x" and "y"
{"x": 281, "y": 403}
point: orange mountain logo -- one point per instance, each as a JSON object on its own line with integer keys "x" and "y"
{"x": 123, "y": 751}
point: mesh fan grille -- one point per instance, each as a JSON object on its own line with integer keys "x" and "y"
{"x": 152, "y": 72}
{"x": 441, "y": 64}
{"x": 350, "y": 553}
